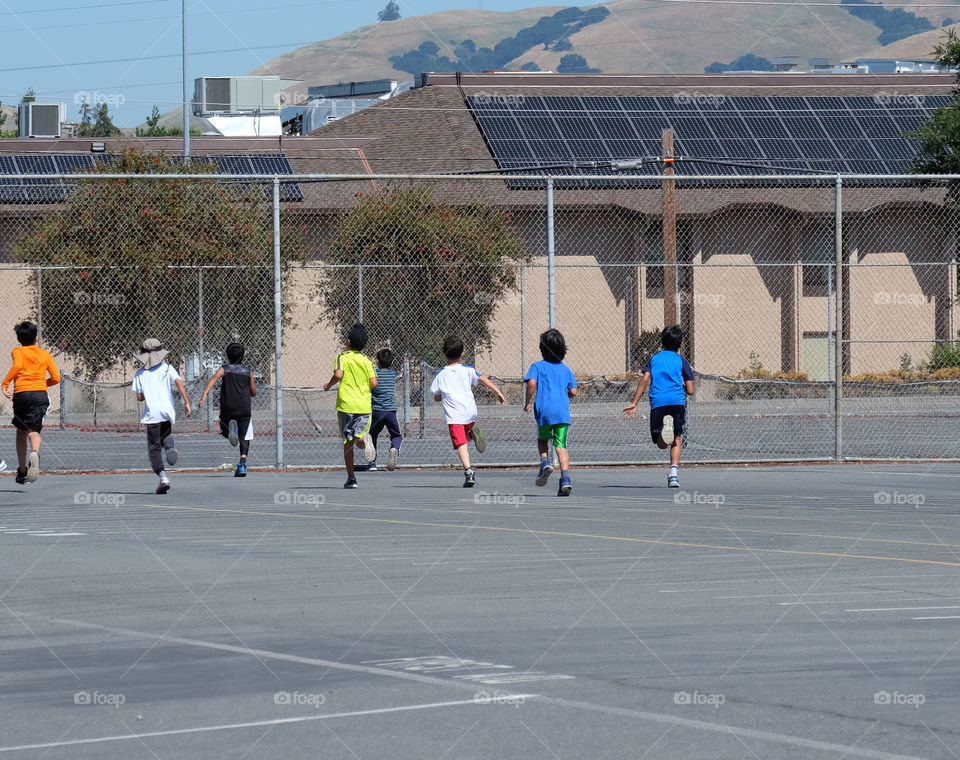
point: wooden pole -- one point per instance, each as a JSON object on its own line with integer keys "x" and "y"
{"x": 670, "y": 306}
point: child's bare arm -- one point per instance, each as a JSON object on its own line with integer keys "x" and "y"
{"x": 253, "y": 386}
{"x": 183, "y": 394}
{"x": 571, "y": 392}
{"x": 484, "y": 380}
{"x": 210, "y": 383}
{"x": 531, "y": 394}
{"x": 336, "y": 378}
{"x": 437, "y": 397}
{"x": 631, "y": 410}
{"x": 688, "y": 387}
{"x": 373, "y": 382}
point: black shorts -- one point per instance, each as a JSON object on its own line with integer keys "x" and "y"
{"x": 29, "y": 409}
{"x": 242, "y": 424}
{"x": 679, "y": 414}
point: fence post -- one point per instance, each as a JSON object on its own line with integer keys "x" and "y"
{"x": 423, "y": 395}
{"x": 40, "y": 300}
{"x": 360, "y": 290}
{"x": 523, "y": 321}
{"x": 406, "y": 396}
{"x": 63, "y": 403}
{"x": 277, "y": 322}
{"x": 551, "y": 274}
{"x": 201, "y": 370}
{"x": 838, "y": 343}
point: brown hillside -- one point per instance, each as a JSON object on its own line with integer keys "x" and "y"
{"x": 917, "y": 46}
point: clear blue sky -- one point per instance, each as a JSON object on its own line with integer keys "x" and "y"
{"x": 54, "y": 46}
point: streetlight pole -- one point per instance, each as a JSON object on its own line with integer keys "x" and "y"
{"x": 186, "y": 82}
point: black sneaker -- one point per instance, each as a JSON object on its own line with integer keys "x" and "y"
{"x": 171, "y": 451}
{"x": 469, "y": 479}
{"x": 21, "y": 475}
{"x": 351, "y": 483}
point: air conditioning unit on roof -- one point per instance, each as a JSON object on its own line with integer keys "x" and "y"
{"x": 40, "y": 119}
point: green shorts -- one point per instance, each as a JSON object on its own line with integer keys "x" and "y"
{"x": 557, "y": 432}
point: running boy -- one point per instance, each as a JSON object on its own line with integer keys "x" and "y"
{"x": 453, "y": 385}
{"x": 33, "y": 371}
{"x": 354, "y": 372}
{"x": 236, "y": 395}
{"x": 670, "y": 379}
{"x": 385, "y": 409}
{"x": 552, "y": 384}
{"x": 153, "y": 384}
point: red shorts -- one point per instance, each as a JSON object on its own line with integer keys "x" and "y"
{"x": 458, "y": 434}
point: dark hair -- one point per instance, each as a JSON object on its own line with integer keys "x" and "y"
{"x": 235, "y": 352}
{"x": 26, "y": 333}
{"x": 357, "y": 337}
{"x": 452, "y": 347}
{"x": 671, "y": 337}
{"x": 552, "y": 346}
{"x": 385, "y": 358}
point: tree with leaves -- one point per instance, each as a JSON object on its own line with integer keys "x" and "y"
{"x": 390, "y": 13}
{"x": 128, "y": 253}
{"x": 938, "y": 140}
{"x": 429, "y": 268}
{"x": 95, "y": 121}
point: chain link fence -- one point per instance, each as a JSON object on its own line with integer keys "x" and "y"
{"x": 820, "y": 313}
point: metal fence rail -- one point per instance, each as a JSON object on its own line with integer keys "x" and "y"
{"x": 821, "y": 313}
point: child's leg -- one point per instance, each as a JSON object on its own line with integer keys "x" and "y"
{"x": 348, "y": 457}
{"x": 675, "y": 450}
{"x": 378, "y": 421}
{"x": 463, "y": 451}
{"x": 393, "y": 428}
{"x": 35, "y": 441}
{"x": 243, "y": 430}
{"x": 661, "y": 444}
{"x": 22, "y": 448}
{"x": 564, "y": 456}
{"x": 543, "y": 447}
{"x": 155, "y": 445}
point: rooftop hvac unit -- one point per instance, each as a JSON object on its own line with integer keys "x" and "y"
{"x": 39, "y": 119}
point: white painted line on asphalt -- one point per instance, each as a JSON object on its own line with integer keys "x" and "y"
{"x": 816, "y": 593}
{"x": 248, "y": 724}
{"x": 941, "y": 617}
{"x": 902, "y": 609}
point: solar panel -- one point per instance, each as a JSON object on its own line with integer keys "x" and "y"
{"x": 54, "y": 190}
{"x": 826, "y": 133}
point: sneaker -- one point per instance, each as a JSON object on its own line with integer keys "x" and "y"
{"x": 164, "y": 486}
{"x": 667, "y": 433}
{"x": 21, "y": 475}
{"x": 372, "y": 467}
{"x": 233, "y": 435}
{"x": 545, "y": 469}
{"x": 469, "y": 479}
{"x": 480, "y": 440}
{"x": 369, "y": 450}
{"x": 171, "y": 451}
{"x": 351, "y": 483}
{"x": 33, "y": 467}
{"x": 673, "y": 481}
{"x": 3, "y": 465}
{"x": 392, "y": 459}
{"x": 565, "y": 487}
{"x": 241, "y": 471}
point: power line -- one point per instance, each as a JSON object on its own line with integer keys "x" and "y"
{"x": 82, "y": 7}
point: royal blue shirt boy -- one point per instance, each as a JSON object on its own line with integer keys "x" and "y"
{"x": 668, "y": 372}
{"x": 552, "y": 404}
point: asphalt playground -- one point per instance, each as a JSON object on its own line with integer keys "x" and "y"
{"x": 758, "y": 612}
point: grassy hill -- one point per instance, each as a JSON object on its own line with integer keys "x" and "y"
{"x": 637, "y": 37}
{"x": 917, "y": 46}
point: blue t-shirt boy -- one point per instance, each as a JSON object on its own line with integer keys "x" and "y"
{"x": 668, "y": 372}
{"x": 554, "y": 379}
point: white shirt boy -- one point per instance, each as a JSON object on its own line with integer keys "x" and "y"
{"x": 455, "y": 384}
{"x": 156, "y": 385}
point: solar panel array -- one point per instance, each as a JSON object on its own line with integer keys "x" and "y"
{"x": 836, "y": 134}
{"x": 56, "y": 190}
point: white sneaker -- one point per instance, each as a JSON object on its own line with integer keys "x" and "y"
{"x": 392, "y": 459}
{"x": 369, "y": 450}
{"x": 33, "y": 467}
{"x": 3, "y": 465}
{"x": 667, "y": 433}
